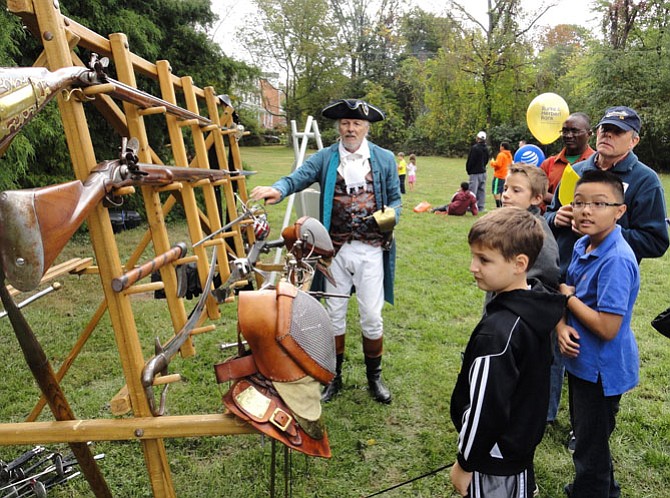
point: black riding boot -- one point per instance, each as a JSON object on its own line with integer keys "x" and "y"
{"x": 373, "y": 368}
{"x": 335, "y": 385}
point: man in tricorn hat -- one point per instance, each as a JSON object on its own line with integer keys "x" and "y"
{"x": 359, "y": 205}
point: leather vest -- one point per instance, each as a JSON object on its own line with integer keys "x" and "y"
{"x": 352, "y": 214}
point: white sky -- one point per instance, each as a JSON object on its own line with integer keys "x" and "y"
{"x": 235, "y": 13}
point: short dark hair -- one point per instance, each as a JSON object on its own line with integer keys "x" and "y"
{"x": 582, "y": 115}
{"x": 606, "y": 177}
{"x": 505, "y": 145}
{"x": 465, "y": 185}
{"x": 511, "y": 231}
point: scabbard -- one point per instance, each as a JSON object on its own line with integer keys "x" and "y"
{"x": 46, "y": 379}
{"x": 129, "y": 278}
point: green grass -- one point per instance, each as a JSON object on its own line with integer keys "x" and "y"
{"x": 374, "y": 446}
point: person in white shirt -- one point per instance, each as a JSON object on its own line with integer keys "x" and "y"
{"x": 357, "y": 179}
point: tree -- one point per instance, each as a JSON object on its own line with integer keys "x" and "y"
{"x": 619, "y": 20}
{"x": 159, "y": 29}
{"x": 300, "y": 37}
{"x": 559, "y": 49}
{"x": 370, "y": 37}
{"x": 494, "y": 44}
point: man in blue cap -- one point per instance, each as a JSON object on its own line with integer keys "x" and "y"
{"x": 643, "y": 224}
{"x": 359, "y": 205}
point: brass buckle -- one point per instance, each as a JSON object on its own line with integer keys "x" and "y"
{"x": 277, "y": 424}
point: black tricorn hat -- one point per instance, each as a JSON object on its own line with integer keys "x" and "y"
{"x": 352, "y": 109}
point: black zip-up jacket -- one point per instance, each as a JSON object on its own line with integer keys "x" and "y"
{"x": 499, "y": 404}
{"x": 477, "y": 160}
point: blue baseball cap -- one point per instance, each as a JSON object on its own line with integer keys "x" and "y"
{"x": 622, "y": 117}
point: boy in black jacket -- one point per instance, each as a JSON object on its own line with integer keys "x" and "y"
{"x": 499, "y": 403}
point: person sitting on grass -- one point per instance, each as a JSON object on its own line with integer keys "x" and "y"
{"x": 461, "y": 202}
{"x": 499, "y": 402}
{"x": 602, "y": 283}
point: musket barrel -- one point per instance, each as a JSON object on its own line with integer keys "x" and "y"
{"x": 147, "y": 101}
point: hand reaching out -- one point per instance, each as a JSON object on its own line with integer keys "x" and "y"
{"x": 268, "y": 194}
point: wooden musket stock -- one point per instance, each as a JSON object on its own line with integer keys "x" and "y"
{"x": 35, "y": 224}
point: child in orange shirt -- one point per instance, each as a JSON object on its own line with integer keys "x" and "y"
{"x": 500, "y": 165}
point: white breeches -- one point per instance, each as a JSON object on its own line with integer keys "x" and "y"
{"x": 361, "y": 266}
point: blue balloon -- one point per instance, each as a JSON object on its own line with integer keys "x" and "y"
{"x": 529, "y": 154}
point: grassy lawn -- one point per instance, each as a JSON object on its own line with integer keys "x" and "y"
{"x": 374, "y": 446}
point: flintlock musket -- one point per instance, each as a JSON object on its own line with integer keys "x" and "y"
{"x": 35, "y": 224}
{"x": 24, "y": 91}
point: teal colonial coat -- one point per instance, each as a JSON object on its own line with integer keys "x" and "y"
{"x": 321, "y": 168}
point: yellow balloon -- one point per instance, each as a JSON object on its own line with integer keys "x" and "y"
{"x": 545, "y": 117}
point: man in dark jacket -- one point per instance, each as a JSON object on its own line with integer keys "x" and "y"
{"x": 475, "y": 166}
{"x": 643, "y": 224}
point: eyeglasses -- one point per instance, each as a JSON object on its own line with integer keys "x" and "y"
{"x": 573, "y": 131}
{"x": 597, "y": 205}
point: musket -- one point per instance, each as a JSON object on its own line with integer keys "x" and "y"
{"x": 164, "y": 353}
{"x": 24, "y": 91}
{"x": 35, "y": 224}
{"x": 43, "y": 373}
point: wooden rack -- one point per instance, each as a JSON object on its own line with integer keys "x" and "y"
{"x": 59, "y": 36}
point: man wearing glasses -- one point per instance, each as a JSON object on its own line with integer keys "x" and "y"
{"x": 643, "y": 224}
{"x": 576, "y": 133}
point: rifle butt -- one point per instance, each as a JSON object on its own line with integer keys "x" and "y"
{"x": 35, "y": 225}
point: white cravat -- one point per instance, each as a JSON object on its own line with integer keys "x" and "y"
{"x": 354, "y": 166}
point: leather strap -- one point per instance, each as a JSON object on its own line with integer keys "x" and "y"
{"x": 266, "y": 412}
{"x": 235, "y": 368}
{"x": 253, "y": 401}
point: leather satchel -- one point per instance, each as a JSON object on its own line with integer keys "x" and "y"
{"x": 259, "y": 404}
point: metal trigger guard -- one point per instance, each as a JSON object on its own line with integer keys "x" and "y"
{"x": 76, "y": 94}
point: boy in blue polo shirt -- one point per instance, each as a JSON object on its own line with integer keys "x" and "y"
{"x": 601, "y": 286}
